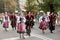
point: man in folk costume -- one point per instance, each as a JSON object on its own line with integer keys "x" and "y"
{"x": 5, "y": 21}
{"x": 21, "y": 26}
{"x": 29, "y": 18}
{"x": 13, "y": 21}
{"x": 52, "y": 18}
{"x": 32, "y": 20}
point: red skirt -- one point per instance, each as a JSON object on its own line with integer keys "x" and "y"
{"x": 5, "y": 24}
{"x": 21, "y": 28}
{"x": 43, "y": 25}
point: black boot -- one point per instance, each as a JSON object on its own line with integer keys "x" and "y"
{"x": 28, "y": 32}
{"x": 51, "y": 31}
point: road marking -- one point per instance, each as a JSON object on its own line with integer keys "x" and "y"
{"x": 41, "y": 37}
{"x": 32, "y": 35}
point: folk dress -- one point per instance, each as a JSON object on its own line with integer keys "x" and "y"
{"x": 43, "y": 23}
{"x": 6, "y": 21}
{"x": 21, "y": 28}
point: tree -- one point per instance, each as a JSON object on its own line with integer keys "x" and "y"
{"x": 50, "y": 5}
{"x": 8, "y": 5}
{"x": 31, "y": 6}
{"x": 1, "y": 6}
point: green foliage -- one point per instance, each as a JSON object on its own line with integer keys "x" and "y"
{"x": 49, "y": 5}
{"x": 31, "y": 6}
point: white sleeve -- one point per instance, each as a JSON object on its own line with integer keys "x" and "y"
{"x": 34, "y": 20}
{"x": 18, "y": 19}
{"x": 24, "y": 20}
{"x": 3, "y": 19}
{"x": 47, "y": 19}
{"x": 8, "y": 19}
{"x": 40, "y": 19}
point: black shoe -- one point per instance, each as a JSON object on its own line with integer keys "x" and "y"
{"x": 28, "y": 34}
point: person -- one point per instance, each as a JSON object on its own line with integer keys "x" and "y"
{"x": 21, "y": 26}
{"x": 13, "y": 21}
{"x": 29, "y": 18}
{"x": 40, "y": 18}
{"x": 1, "y": 17}
{"x": 52, "y": 18}
{"x": 18, "y": 17}
{"x": 5, "y": 21}
{"x": 42, "y": 23}
{"x": 32, "y": 20}
{"x": 47, "y": 19}
{"x": 37, "y": 17}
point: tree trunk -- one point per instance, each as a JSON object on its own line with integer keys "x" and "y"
{"x": 51, "y": 8}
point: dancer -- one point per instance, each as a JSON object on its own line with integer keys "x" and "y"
{"x": 52, "y": 18}
{"x": 21, "y": 26}
{"x": 29, "y": 18}
{"x": 5, "y": 21}
{"x": 13, "y": 21}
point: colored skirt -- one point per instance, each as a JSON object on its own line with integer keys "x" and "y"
{"x": 43, "y": 25}
{"x": 21, "y": 28}
{"x": 5, "y": 24}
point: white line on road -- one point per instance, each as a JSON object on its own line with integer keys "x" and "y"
{"x": 41, "y": 37}
{"x": 32, "y": 35}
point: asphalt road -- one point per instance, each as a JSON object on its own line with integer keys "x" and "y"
{"x": 36, "y": 34}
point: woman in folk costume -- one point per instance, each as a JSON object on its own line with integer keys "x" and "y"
{"x": 47, "y": 19}
{"x": 52, "y": 18}
{"x": 5, "y": 21}
{"x": 29, "y": 18}
{"x": 21, "y": 26}
{"x": 42, "y": 23}
{"x": 18, "y": 17}
{"x": 13, "y": 21}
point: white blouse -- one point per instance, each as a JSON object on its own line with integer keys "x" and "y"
{"x": 18, "y": 19}
{"x": 40, "y": 19}
{"x": 4, "y": 19}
